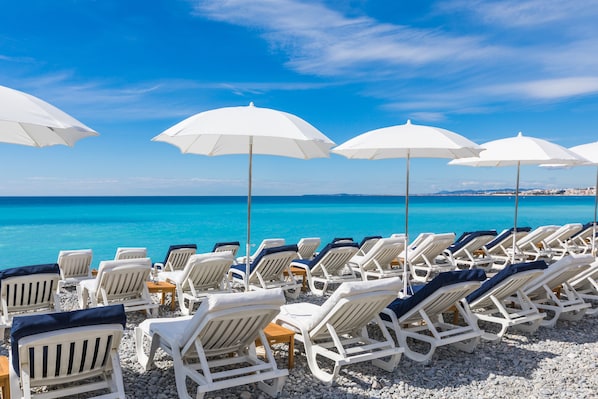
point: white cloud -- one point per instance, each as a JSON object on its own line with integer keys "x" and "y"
{"x": 549, "y": 89}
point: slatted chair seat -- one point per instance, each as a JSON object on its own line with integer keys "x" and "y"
{"x": 378, "y": 262}
{"x": 306, "y": 247}
{"x": 176, "y": 257}
{"x": 123, "y": 253}
{"x": 75, "y": 265}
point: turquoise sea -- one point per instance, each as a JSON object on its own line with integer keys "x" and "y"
{"x": 34, "y": 229}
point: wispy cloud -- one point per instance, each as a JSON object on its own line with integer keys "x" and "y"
{"x": 549, "y": 89}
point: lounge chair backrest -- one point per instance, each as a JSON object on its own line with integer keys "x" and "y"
{"x": 352, "y": 306}
{"x": 65, "y": 351}
{"x": 118, "y": 279}
{"x": 307, "y": 247}
{"x": 342, "y": 239}
{"x": 268, "y": 243}
{"x": 471, "y": 241}
{"x": 561, "y": 271}
{"x": 271, "y": 262}
{"x": 177, "y": 256}
{"x": 204, "y": 271}
{"x": 449, "y": 287}
{"x": 381, "y": 255}
{"x": 585, "y": 233}
{"x": 506, "y": 283}
{"x": 430, "y": 247}
{"x": 28, "y": 288}
{"x": 562, "y": 234}
{"x": 367, "y": 243}
{"x": 130, "y": 253}
{"x": 229, "y": 246}
{"x": 505, "y": 239}
{"x": 75, "y": 263}
{"x": 536, "y": 236}
{"x": 333, "y": 258}
{"x": 225, "y": 322}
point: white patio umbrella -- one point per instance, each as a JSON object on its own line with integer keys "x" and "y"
{"x": 27, "y": 120}
{"x": 517, "y": 151}
{"x": 590, "y": 152}
{"x": 408, "y": 141}
{"x": 247, "y": 130}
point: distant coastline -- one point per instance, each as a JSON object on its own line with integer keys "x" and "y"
{"x": 523, "y": 192}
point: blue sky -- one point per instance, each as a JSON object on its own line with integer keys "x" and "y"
{"x": 131, "y": 69}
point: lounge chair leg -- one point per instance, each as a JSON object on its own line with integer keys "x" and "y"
{"x": 146, "y": 361}
{"x": 274, "y": 388}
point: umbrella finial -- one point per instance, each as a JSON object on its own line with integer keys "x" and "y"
{"x": 408, "y": 122}
{"x": 251, "y": 104}
{"x": 519, "y": 134}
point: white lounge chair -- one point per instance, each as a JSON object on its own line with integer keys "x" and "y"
{"x": 203, "y": 274}
{"x": 130, "y": 253}
{"x": 306, "y": 247}
{"x": 467, "y": 250}
{"x": 567, "y": 304}
{"x": 501, "y": 250}
{"x": 119, "y": 281}
{"x": 228, "y": 246}
{"x": 378, "y": 262}
{"x": 176, "y": 257}
{"x": 531, "y": 244}
{"x": 268, "y": 271}
{"x": 329, "y": 266}
{"x": 492, "y": 302}
{"x": 426, "y": 255}
{"x": 581, "y": 242}
{"x": 267, "y": 243}
{"x": 75, "y": 265}
{"x": 336, "y": 330}
{"x": 28, "y": 290}
{"x": 586, "y": 285}
{"x": 201, "y": 345}
{"x": 557, "y": 245}
{"x": 367, "y": 244}
{"x": 420, "y": 318}
{"x": 69, "y": 353}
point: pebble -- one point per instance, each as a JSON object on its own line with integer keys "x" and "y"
{"x": 552, "y": 362}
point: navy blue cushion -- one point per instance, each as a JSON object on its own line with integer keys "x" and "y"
{"x": 178, "y": 246}
{"x": 27, "y": 270}
{"x": 467, "y": 237}
{"x": 24, "y": 326}
{"x": 312, "y": 262}
{"x": 368, "y": 238}
{"x": 258, "y": 258}
{"x": 505, "y": 234}
{"x": 402, "y": 306}
{"x": 504, "y": 274}
{"x": 336, "y": 239}
{"x": 222, "y": 244}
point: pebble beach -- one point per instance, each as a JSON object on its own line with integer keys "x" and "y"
{"x": 560, "y": 362}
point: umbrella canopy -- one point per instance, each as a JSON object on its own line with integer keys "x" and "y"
{"x": 590, "y": 152}
{"x": 27, "y": 120}
{"x": 247, "y": 130}
{"x": 517, "y": 151}
{"x": 408, "y": 141}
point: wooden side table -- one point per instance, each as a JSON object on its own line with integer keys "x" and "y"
{"x": 163, "y": 287}
{"x": 299, "y": 271}
{"x": 4, "y": 382}
{"x": 279, "y": 335}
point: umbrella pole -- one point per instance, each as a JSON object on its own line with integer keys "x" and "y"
{"x": 248, "y": 245}
{"x": 516, "y": 209}
{"x": 406, "y": 265}
{"x": 595, "y": 208}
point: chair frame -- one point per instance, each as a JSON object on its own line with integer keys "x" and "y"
{"x": 423, "y": 257}
{"x": 342, "y": 336}
{"x": 203, "y": 274}
{"x": 497, "y": 307}
{"x": 330, "y": 269}
{"x": 215, "y": 335}
{"x": 269, "y": 273}
{"x": 120, "y": 281}
{"x": 557, "y": 243}
{"x": 377, "y": 263}
{"x": 425, "y": 322}
{"x": 75, "y": 265}
{"x": 567, "y": 304}
{"x": 471, "y": 254}
{"x": 586, "y": 285}
{"x": 307, "y": 247}
{"x": 502, "y": 252}
{"x": 531, "y": 244}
